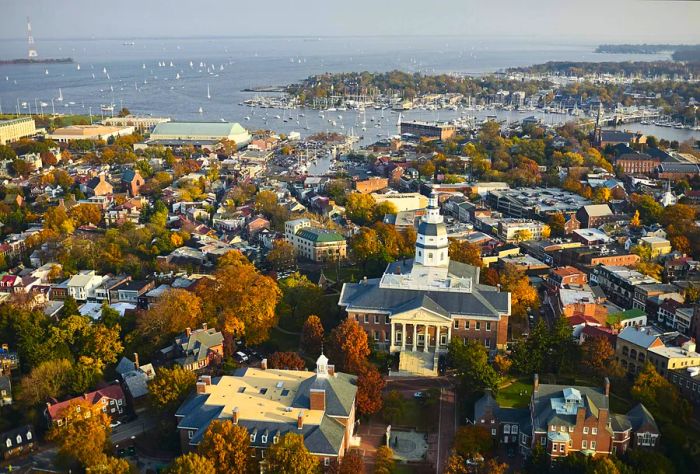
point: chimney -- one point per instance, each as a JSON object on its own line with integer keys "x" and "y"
{"x": 300, "y": 420}
{"x": 331, "y": 370}
{"x": 235, "y": 416}
{"x": 606, "y": 386}
{"x": 317, "y": 399}
{"x": 204, "y": 326}
{"x": 201, "y": 387}
{"x": 206, "y": 379}
{"x": 188, "y": 332}
{"x": 263, "y": 364}
{"x": 536, "y": 383}
{"x": 136, "y": 360}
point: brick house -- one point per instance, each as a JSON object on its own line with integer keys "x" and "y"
{"x": 133, "y": 181}
{"x": 98, "y": 186}
{"x": 17, "y": 441}
{"x": 110, "y": 400}
{"x": 565, "y": 419}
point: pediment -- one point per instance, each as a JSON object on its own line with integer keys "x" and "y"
{"x": 423, "y": 315}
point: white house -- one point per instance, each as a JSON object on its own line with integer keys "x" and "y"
{"x": 83, "y": 285}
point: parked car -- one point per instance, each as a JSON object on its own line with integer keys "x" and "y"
{"x": 241, "y": 357}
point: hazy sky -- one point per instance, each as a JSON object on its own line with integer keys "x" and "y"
{"x": 558, "y": 20}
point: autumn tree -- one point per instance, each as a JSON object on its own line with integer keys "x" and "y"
{"x": 681, "y": 243}
{"x": 239, "y": 291}
{"x": 171, "y": 386}
{"x": 300, "y": 299}
{"x": 349, "y": 347}
{"x": 192, "y": 463}
{"x": 598, "y": 357}
{"x": 502, "y": 363}
{"x": 85, "y": 434}
{"x": 492, "y": 466}
{"x": 360, "y": 208}
{"x": 369, "y": 390}
{"x": 227, "y": 446}
{"x": 556, "y": 224}
{"x": 456, "y": 464}
{"x": 394, "y": 407}
{"x": 635, "y": 222}
{"x": 522, "y": 235}
{"x": 522, "y": 294}
{"x": 352, "y": 463}
{"x": 290, "y": 456}
{"x": 281, "y": 256}
{"x": 365, "y": 244}
{"x": 286, "y": 360}
{"x": 658, "y": 395}
{"x": 465, "y": 252}
{"x": 384, "y": 460}
{"x": 472, "y": 440}
{"x": 175, "y": 310}
{"x": 49, "y": 379}
{"x": 312, "y": 335}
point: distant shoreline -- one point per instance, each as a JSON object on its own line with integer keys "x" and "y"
{"x": 37, "y": 61}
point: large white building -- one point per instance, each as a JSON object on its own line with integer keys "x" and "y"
{"x": 13, "y": 130}
{"x": 200, "y": 133}
{"x": 314, "y": 243}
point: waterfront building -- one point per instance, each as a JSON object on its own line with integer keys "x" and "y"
{"x": 199, "y": 133}
{"x": 435, "y": 130}
{"x": 13, "y": 130}
{"x": 89, "y": 132}
{"x": 420, "y": 304}
{"x": 139, "y": 123}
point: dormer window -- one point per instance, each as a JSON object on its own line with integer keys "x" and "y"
{"x": 252, "y": 438}
{"x": 275, "y": 439}
{"x": 19, "y": 439}
{"x": 264, "y": 439}
{"x": 29, "y": 435}
{"x": 8, "y": 443}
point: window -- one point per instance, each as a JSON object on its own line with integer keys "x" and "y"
{"x": 456, "y": 323}
{"x": 592, "y": 444}
{"x": 29, "y": 435}
{"x": 488, "y": 326}
{"x": 571, "y": 429}
{"x": 552, "y": 428}
{"x": 376, "y": 319}
{"x": 543, "y": 441}
{"x": 430, "y": 254}
{"x": 562, "y": 428}
{"x": 493, "y": 432}
{"x": 594, "y": 431}
{"x": 386, "y": 319}
{"x": 478, "y": 325}
{"x": 263, "y": 391}
{"x": 555, "y": 447}
{"x": 275, "y": 439}
{"x": 366, "y": 318}
{"x": 376, "y": 335}
{"x": 585, "y": 430}
{"x": 584, "y": 444}
{"x": 8, "y": 443}
{"x": 514, "y": 429}
{"x": 326, "y": 461}
{"x": 487, "y": 342}
{"x": 467, "y": 324}
{"x": 190, "y": 434}
{"x": 252, "y": 437}
{"x": 263, "y": 439}
{"x": 506, "y": 429}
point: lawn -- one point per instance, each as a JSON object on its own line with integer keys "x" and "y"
{"x": 423, "y": 416}
{"x": 515, "y": 395}
{"x": 282, "y": 342}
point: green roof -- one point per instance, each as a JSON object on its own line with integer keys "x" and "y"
{"x": 222, "y": 129}
{"x": 629, "y": 314}
{"x": 319, "y": 235}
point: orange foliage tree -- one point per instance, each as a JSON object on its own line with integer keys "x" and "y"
{"x": 348, "y": 346}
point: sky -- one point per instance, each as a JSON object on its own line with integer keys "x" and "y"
{"x": 596, "y": 21}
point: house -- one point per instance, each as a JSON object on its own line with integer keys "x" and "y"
{"x": 657, "y": 246}
{"x": 83, "y": 285}
{"x": 9, "y": 360}
{"x": 98, "y": 186}
{"x": 196, "y": 349}
{"x": 314, "y": 243}
{"x": 135, "y": 377}
{"x": 110, "y": 400}
{"x": 565, "y": 419}
{"x": 566, "y": 276}
{"x": 130, "y": 291}
{"x": 418, "y": 305}
{"x": 133, "y": 180}
{"x": 595, "y": 215}
{"x": 637, "y": 163}
{"x": 17, "y": 441}
{"x": 591, "y": 237}
{"x": 268, "y": 403}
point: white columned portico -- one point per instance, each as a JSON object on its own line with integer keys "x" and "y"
{"x": 426, "y": 337}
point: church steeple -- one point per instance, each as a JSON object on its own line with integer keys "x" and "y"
{"x": 431, "y": 241}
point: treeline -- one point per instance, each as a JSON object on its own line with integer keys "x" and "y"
{"x": 627, "y": 68}
{"x": 643, "y": 48}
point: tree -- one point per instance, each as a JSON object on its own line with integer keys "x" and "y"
{"x": 282, "y": 255}
{"x": 290, "y": 456}
{"x": 239, "y": 290}
{"x": 494, "y": 467}
{"x": 7, "y": 153}
{"x": 175, "y": 310}
{"x": 312, "y": 335}
{"x": 365, "y": 244}
{"x": 382, "y": 209}
{"x": 192, "y": 463}
{"x": 300, "y": 299}
{"x": 471, "y": 440}
{"x": 112, "y": 465}
{"x": 49, "y": 379}
{"x": 470, "y": 359}
{"x": 522, "y": 235}
{"x": 681, "y": 244}
{"x": 286, "y": 360}
{"x": 384, "y": 460}
{"x": 85, "y": 434}
{"x": 650, "y": 269}
{"x": 465, "y": 252}
{"x": 227, "y": 446}
{"x": 522, "y": 294}
{"x": 635, "y": 222}
{"x": 598, "y": 357}
{"x": 644, "y": 461}
{"x": 170, "y": 387}
{"x": 348, "y": 346}
{"x": 658, "y": 395}
{"x": 360, "y": 208}
{"x": 556, "y": 224}
{"x": 456, "y": 464}
{"x": 352, "y": 463}
{"x": 394, "y": 407}
{"x": 502, "y": 363}
{"x": 369, "y": 390}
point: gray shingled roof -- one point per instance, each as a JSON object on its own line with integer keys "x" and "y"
{"x": 340, "y": 393}
{"x": 593, "y": 399}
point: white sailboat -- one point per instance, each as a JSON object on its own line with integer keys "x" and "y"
{"x": 208, "y": 93}
{"x": 177, "y": 76}
{"x": 143, "y": 66}
{"x": 201, "y": 110}
{"x": 104, "y": 70}
{"x": 171, "y": 64}
{"x": 60, "y": 95}
{"x": 78, "y": 67}
{"x": 191, "y": 64}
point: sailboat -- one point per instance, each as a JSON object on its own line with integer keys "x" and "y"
{"x": 177, "y": 76}
{"x": 60, "y": 95}
{"x": 143, "y": 66}
{"x": 46, "y": 71}
{"x": 78, "y": 67}
{"x": 208, "y": 94}
{"x": 104, "y": 70}
{"x": 171, "y": 64}
{"x": 191, "y": 64}
{"x": 201, "y": 110}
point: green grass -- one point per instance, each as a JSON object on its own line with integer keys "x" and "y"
{"x": 422, "y": 416}
{"x": 515, "y": 395}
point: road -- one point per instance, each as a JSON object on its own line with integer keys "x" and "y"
{"x": 447, "y": 418}
{"x": 123, "y": 432}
